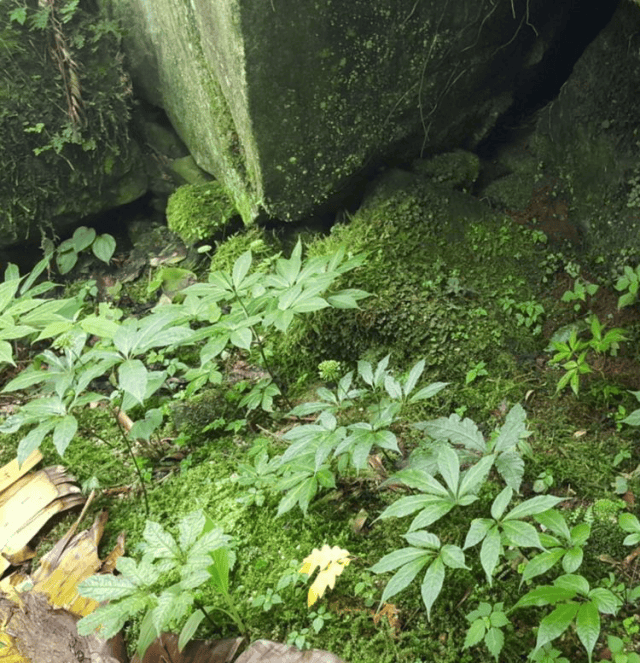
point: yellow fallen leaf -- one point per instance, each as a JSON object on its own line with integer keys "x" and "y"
{"x": 331, "y": 562}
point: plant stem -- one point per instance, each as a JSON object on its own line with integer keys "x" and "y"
{"x": 135, "y": 462}
{"x": 262, "y": 353}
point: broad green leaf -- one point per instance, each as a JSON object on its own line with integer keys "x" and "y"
{"x": 82, "y": 238}
{"x": 421, "y": 480}
{"x": 542, "y": 563}
{"x": 106, "y": 587}
{"x": 510, "y": 466}
{"x": 428, "y": 392}
{"x": 63, "y": 433}
{"x": 627, "y": 521}
{"x": 190, "y": 528}
{"x": 580, "y": 534}
{"x": 104, "y": 247}
{"x": 159, "y": 543}
{"x": 449, "y": 467}
{"x": 554, "y": 521}
{"x": 572, "y": 560}
{"x": 7, "y": 293}
{"x": 431, "y": 514}
{"x": 474, "y": 634}
{"x": 219, "y": 570}
{"x": 588, "y": 626}
{"x": 532, "y": 506}
{"x": 404, "y": 576}
{"x": 55, "y": 329}
{"x": 544, "y": 595}
{"x": 432, "y": 584}
{"x": 240, "y": 269}
{"x": 393, "y": 388}
{"x": 66, "y": 260}
{"x": 453, "y": 556}
{"x": 132, "y": 378}
{"x": 413, "y": 377}
{"x": 605, "y": 601}
{"x": 458, "y": 431}
{"x": 475, "y": 476}
{"x": 477, "y": 531}
{"x": 494, "y": 641}
{"x": 399, "y": 558}
{"x": 490, "y": 552}
{"x": 143, "y": 574}
{"x": 512, "y": 429}
{"x": 633, "y": 419}
{"x": 499, "y": 619}
{"x": 408, "y": 505}
{"x": 144, "y": 428}
{"x": 188, "y": 630}
{"x": 423, "y": 539}
{"x": 26, "y": 379}
{"x": 32, "y": 441}
{"x": 292, "y": 497}
{"x": 366, "y": 373}
{"x": 6, "y": 353}
{"x": 574, "y": 583}
{"x": 556, "y": 623}
{"x": 521, "y": 534}
{"x": 125, "y": 337}
{"x": 501, "y": 502}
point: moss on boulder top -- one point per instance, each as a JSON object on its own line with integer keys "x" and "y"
{"x": 197, "y": 211}
{"x": 448, "y": 277}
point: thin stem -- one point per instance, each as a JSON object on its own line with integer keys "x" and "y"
{"x": 262, "y": 353}
{"x": 135, "y": 462}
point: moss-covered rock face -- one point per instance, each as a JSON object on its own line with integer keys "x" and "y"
{"x": 284, "y": 102}
{"x": 64, "y": 110}
{"x": 576, "y": 173}
{"x": 450, "y": 280}
{"x": 197, "y": 211}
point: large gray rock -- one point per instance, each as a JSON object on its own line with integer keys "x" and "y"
{"x": 285, "y": 101}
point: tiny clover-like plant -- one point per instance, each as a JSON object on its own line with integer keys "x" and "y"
{"x": 629, "y": 523}
{"x": 506, "y": 529}
{"x": 564, "y": 544}
{"x": 487, "y": 622}
{"x": 437, "y": 500}
{"x": 200, "y": 555}
{"x": 505, "y": 448}
{"x": 425, "y": 549}
{"x": 575, "y": 603}
{"x": 331, "y": 562}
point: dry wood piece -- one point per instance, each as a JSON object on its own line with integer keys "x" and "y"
{"x": 265, "y": 651}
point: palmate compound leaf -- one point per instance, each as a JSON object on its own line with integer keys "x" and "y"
{"x": 331, "y": 561}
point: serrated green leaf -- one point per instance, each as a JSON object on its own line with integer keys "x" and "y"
{"x": 132, "y": 378}
{"x": 475, "y": 476}
{"x": 399, "y": 558}
{"x": 404, "y": 576}
{"x": 588, "y": 626}
{"x": 428, "y": 392}
{"x": 513, "y": 428}
{"x": 556, "y": 623}
{"x": 532, "y": 506}
{"x": 490, "y": 552}
{"x": 408, "y": 505}
{"x": 6, "y": 353}
{"x": 477, "y": 531}
{"x": 501, "y": 502}
{"x": 453, "y": 557}
{"x": 542, "y": 563}
{"x": 449, "y": 468}
{"x": 494, "y": 641}
{"x": 365, "y": 371}
{"x": 240, "y": 269}
{"x": 554, "y": 521}
{"x": 572, "y": 560}
{"x": 544, "y": 595}
{"x": 457, "y": 430}
{"x": 159, "y": 543}
{"x": 474, "y": 634}
{"x": 510, "y": 466}
{"x": 432, "y": 584}
{"x": 431, "y": 514}
{"x": 423, "y": 539}
{"x": 605, "y": 600}
{"x": 413, "y": 377}
{"x": 33, "y": 440}
{"x": 521, "y": 534}
{"x": 189, "y": 528}
{"x": 421, "y": 480}
{"x": 106, "y": 587}
{"x": 574, "y": 583}
{"x": 63, "y": 433}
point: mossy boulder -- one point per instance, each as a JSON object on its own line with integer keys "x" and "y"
{"x": 447, "y": 277}
{"x": 65, "y": 147}
{"x": 198, "y": 211}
